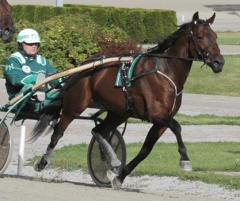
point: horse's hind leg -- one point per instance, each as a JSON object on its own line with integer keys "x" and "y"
{"x": 57, "y": 134}
{"x": 73, "y": 104}
{"x": 185, "y": 163}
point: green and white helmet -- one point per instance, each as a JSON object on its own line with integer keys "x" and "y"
{"x": 28, "y": 36}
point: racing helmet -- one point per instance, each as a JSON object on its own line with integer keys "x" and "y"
{"x": 28, "y": 36}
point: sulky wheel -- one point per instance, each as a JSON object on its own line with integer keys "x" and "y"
{"x": 97, "y": 163}
{"x": 5, "y": 147}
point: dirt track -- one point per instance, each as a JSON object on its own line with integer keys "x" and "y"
{"x": 13, "y": 189}
{"x": 24, "y": 190}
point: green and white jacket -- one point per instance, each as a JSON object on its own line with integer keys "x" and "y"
{"x": 21, "y": 71}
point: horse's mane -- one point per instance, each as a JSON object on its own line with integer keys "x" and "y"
{"x": 171, "y": 39}
{"x": 110, "y": 49}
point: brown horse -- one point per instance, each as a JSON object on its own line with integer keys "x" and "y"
{"x": 156, "y": 90}
{"x": 7, "y": 29}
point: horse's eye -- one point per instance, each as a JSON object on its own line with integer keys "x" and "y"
{"x": 199, "y": 37}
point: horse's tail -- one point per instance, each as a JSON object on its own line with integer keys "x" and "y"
{"x": 45, "y": 121}
{"x": 49, "y": 118}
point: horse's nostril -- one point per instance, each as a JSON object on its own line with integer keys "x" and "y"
{"x": 6, "y": 31}
{"x": 216, "y": 63}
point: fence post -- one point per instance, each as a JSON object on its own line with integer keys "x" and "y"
{"x": 59, "y": 3}
{"x": 21, "y": 150}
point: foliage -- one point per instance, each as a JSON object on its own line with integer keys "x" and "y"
{"x": 140, "y": 24}
{"x": 67, "y": 40}
{"x": 112, "y": 33}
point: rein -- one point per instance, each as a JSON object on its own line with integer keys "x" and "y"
{"x": 172, "y": 57}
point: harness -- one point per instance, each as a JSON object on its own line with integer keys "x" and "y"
{"x": 125, "y": 78}
{"x": 202, "y": 55}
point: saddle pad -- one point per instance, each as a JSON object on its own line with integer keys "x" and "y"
{"x": 118, "y": 82}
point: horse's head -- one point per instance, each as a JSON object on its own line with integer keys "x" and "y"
{"x": 7, "y": 29}
{"x": 203, "y": 44}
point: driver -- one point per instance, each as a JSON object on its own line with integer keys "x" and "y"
{"x": 25, "y": 66}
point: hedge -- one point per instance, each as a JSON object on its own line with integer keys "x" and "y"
{"x": 73, "y": 33}
{"x": 68, "y": 40}
{"x": 145, "y": 26}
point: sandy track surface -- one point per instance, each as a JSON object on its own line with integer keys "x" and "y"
{"x": 13, "y": 189}
{"x": 24, "y": 190}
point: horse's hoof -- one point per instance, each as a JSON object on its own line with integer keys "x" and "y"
{"x": 115, "y": 181}
{"x": 186, "y": 166}
{"x": 40, "y": 165}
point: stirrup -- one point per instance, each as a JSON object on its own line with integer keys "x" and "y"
{"x": 40, "y": 94}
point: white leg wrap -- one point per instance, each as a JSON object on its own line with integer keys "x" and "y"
{"x": 186, "y": 166}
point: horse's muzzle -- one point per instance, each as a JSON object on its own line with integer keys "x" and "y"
{"x": 7, "y": 34}
{"x": 217, "y": 64}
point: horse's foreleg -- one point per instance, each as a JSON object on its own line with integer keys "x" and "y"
{"x": 153, "y": 135}
{"x": 185, "y": 163}
{"x": 101, "y": 133}
{"x": 57, "y": 134}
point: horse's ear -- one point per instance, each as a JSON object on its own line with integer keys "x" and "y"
{"x": 211, "y": 19}
{"x": 195, "y": 17}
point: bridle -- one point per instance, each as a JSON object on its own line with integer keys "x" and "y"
{"x": 202, "y": 54}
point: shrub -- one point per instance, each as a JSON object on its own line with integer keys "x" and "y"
{"x": 67, "y": 40}
{"x": 142, "y": 25}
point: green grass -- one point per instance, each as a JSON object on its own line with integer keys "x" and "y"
{"x": 228, "y": 38}
{"x": 204, "y": 81}
{"x": 203, "y": 119}
{"x": 206, "y": 158}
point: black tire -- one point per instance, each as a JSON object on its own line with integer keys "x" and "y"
{"x": 5, "y": 147}
{"x": 97, "y": 165}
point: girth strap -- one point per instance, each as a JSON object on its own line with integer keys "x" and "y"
{"x": 126, "y": 85}
{"x": 126, "y": 81}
